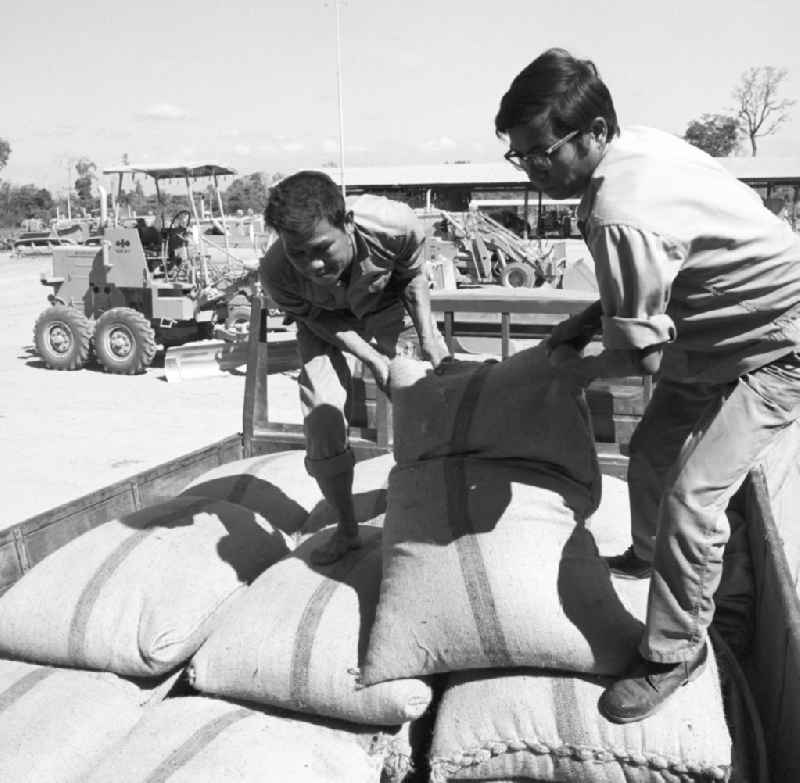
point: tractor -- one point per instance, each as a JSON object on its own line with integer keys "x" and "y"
{"x": 135, "y": 286}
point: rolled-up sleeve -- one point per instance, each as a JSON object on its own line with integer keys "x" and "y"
{"x": 409, "y": 259}
{"x": 635, "y": 270}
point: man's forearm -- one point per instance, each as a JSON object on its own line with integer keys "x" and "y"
{"x": 340, "y": 332}
{"x": 416, "y": 298}
{"x": 613, "y": 364}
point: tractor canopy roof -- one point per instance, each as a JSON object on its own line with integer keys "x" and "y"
{"x": 174, "y": 170}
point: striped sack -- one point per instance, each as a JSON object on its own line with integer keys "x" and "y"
{"x": 277, "y": 487}
{"x": 534, "y": 726}
{"x": 200, "y": 740}
{"x": 295, "y": 638}
{"x": 56, "y": 723}
{"x": 514, "y": 409}
{"x": 485, "y": 566}
{"x": 139, "y": 594}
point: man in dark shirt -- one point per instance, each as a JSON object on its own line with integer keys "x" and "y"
{"x": 348, "y": 273}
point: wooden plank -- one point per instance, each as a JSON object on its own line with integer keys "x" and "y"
{"x": 505, "y": 335}
{"x": 498, "y": 299}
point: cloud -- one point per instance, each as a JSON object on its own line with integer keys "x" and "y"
{"x": 267, "y": 146}
{"x": 331, "y": 146}
{"x": 54, "y": 131}
{"x": 292, "y": 146}
{"x": 242, "y": 149}
{"x": 437, "y": 145}
{"x": 163, "y": 111}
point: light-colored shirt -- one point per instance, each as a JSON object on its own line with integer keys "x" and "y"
{"x": 689, "y": 257}
{"x": 389, "y": 240}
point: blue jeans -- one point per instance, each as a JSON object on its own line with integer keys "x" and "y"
{"x": 692, "y": 450}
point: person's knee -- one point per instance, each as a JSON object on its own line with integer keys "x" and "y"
{"x": 327, "y": 467}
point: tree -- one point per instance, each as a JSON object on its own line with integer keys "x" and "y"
{"x": 21, "y": 202}
{"x": 716, "y": 134}
{"x": 85, "y": 169}
{"x": 248, "y": 192}
{"x": 759, "y": 108}
{"x": 5, "y": 151}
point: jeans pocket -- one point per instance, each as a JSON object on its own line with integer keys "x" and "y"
{"x": 778, "y": 383}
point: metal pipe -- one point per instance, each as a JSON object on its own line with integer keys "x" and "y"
{"x": 222, "y": 218}
{"x": 196, "y": 231}
{"x": 339, "y": 87}
{"x": 103, "y": 204}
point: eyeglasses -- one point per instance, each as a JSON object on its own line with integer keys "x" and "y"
{"x": 537, "y": 159}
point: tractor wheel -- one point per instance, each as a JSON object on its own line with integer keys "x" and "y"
{"x": 238, "y": 319}
{"x": 517, "y": 275}
{"x": 63, "y": 338}
{"x": 124, "y": 341}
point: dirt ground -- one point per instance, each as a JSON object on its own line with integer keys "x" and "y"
{"x": 65, "y": 434}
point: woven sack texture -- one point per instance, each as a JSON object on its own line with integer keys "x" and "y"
{"x": 137, "y": 595}
{"x": 514, "y": 409}
{"x": 532, "y": 725}
{"x": 56, "y": 723}
{"x": 295, "y": 637}
{"x": 485, "y": 566}
{"x": 196, "y": 739}
{"x": 276, "y": 486}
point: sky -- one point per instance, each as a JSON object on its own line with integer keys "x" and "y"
{"x": 254, "y": 84}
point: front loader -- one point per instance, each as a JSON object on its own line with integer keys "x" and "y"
{"x": 135, "y": 287}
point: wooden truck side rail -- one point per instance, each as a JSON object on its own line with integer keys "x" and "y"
{"x": 616, "y": 405}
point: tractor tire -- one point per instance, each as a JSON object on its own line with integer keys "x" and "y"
{"x": 124, "y": 341}
{"x": 63, "y": 338}
{"x": 518, "y": 275}
{"x": 238, "y": 319}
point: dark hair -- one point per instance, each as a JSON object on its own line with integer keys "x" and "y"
{"x": 297, "y": 202}
{"x": 567, "y": 90}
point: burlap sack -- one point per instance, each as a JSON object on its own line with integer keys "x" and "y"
{"x": 139, "y": 594}
{"x": 277, "y": 487}
{"x": 295, "y": 638}
{"x": 532, "y": 725}
{"x": 56, "y": 723}
{"x": 202, "y": 740}
{"x": 514, "y": 409}
{"x": 485, "y": 565}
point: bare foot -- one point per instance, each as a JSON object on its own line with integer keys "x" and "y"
{"x": 335, "y": 548}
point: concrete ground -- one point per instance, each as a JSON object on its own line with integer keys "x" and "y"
{"x": 65, "y": 434}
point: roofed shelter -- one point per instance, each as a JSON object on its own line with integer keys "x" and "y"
{"x": 452, "y": 185}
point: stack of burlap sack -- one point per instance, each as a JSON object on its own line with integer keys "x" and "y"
{"x": 492, "y": 578}
{"x": 465, "y": 640}
{"x": 94, "y": 637}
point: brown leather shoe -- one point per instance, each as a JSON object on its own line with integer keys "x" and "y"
{"x": 644, "y": 689}
{"x": 629, "y": 565}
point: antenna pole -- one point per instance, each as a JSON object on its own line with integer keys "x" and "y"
{"x": 337, "y": 4}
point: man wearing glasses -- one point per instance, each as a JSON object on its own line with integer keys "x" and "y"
{"x": 699, "y": 282}
{"x": 352, "y": 275}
